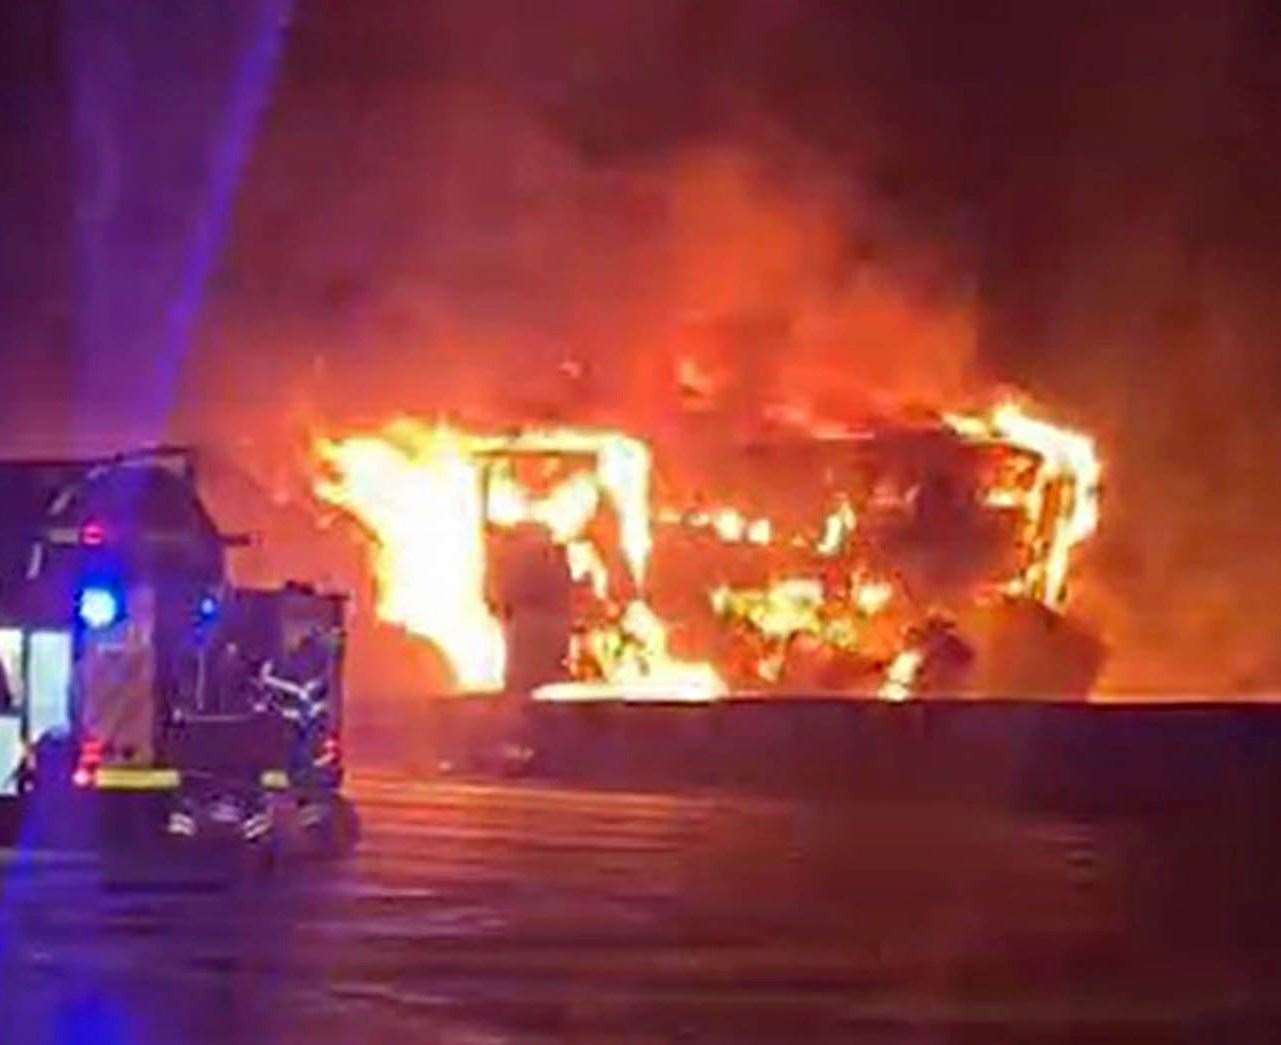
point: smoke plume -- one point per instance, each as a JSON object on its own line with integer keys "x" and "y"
{"x": 613, "y": 212}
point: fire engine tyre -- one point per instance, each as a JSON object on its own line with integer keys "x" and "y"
{"x": 338, "y": 832}
{"x": 263, "y": 856}
{"x": 10, "y": 820}
{"x": 131, "y": 825}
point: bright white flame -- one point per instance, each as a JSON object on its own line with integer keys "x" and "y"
{"x": 872, "y": 596}
{"x": 729, "y": 525}
{"x": 837, "y": 528}
{"x": 900, "y": 677}
{"x": 426, "y": 496}
{"x": 760, "y": 531}
{"x": 623, "y": 467}
{"x": 419, "y": 493}
{"x": 585, "y": 564}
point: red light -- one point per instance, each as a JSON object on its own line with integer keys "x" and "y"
{"x": 330, "y": 752}
{"x": 93, "y": 534}
{"x": 91, "y": 752}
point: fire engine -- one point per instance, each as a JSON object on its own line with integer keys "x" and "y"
{"x": 134, "y": 676}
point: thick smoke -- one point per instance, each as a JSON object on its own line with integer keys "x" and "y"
{"x": 1126, "y": 284}
{"x": 609, "y": 211}
{"x": 449, "y": 239}
{"x": 475, "y": 209}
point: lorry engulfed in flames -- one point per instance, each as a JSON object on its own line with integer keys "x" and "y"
{"x": 894, "y": 560}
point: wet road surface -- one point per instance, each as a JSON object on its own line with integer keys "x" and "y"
{"x": 515, "y": 912}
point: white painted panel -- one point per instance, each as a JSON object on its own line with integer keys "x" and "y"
{"x": 48, "y": 684}
{"x": 11, "y": 665}
{"x": 10, "y": 754}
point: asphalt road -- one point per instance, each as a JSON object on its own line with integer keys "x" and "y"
{"x": 519, "y": 912}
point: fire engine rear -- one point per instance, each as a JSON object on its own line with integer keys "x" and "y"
{"x": 135, "y": 678}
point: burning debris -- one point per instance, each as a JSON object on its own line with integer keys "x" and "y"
{"x": 880, "y": 561}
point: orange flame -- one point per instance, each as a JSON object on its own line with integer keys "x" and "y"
{"x": 426, "y": 495}
{"x": 418, "y": 492}
{"x": 1061, "y": 508}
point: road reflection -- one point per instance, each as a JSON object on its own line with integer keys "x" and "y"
{"x": 476, "y": 912}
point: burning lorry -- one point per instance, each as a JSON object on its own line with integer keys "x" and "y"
{"x": 131, "y": 669}
{"x": 921, "y": 556}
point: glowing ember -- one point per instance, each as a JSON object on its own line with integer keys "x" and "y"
{"x": 872, "y": 596}
{"x": 635, "y": 661}
{"x": 728, "y": 524}
{"x": 837, "y": 528}
{"x": 777, "y": 612}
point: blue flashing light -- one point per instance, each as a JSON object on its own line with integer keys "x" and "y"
{"x": 208, "y": 609}
{"x": 99, "y": 607}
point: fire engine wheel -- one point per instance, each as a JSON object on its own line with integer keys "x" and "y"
{"x": 10, "y": 820}
{"x": 262, "y": 856}
{"x": 336, "y": 832}
{"x": 130, "y": 826}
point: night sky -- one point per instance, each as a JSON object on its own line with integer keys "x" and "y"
{"x": 214, "y": 224}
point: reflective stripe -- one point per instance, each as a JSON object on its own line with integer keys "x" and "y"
{"x": 62, "y": 535}
{"x": 256, "y": 826}
{"x": 124, "y": 778}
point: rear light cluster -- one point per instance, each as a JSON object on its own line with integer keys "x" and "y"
{"x": 330, "y": 753}
{"x": 86, "y": 771}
